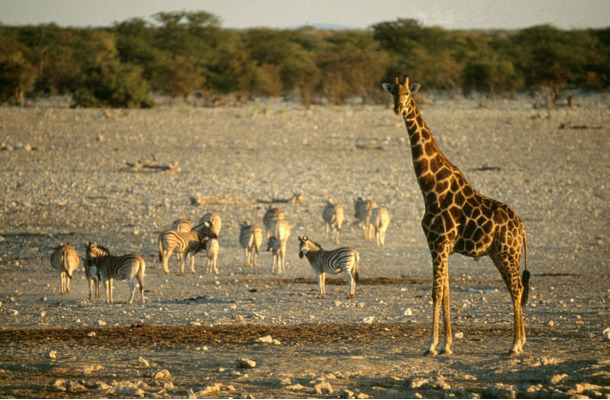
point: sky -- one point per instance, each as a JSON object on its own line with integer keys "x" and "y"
{"x": 356, "y": 14}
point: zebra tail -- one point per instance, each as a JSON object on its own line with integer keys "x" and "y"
{"x": 160, "y": 250}
{"x": 525, "y": 277}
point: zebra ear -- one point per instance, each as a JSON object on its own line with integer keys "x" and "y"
{"x": 387, "y": 87}
{"x": 414, "y": 87}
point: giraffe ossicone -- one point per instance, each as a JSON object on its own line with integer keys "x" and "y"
{"x": 458, "y": 219}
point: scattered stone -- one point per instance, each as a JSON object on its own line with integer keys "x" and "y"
{"x": 209, "y": 389}
{"x": 101, "y": 323}
{"x": 163, "y": 374}
{"x": 417, "y": 383}
{"x": 89, "y": 369}
{"x": 323, "y": 388}
{"x": 143, "y": 362}
{"x": 52, "y": 354}
{"x": 458, "y": 335}
{"x": 500, "y": 391}
{"x": 12, "y": 312}
{"x": 408, "y": 312}
{"x": 364, "y": 396}
{"x": 58, "y": 385}
{"x": 606, "y": 334}
{"x": 244, "y": 363}
{"x": 92, "y": 334}
{"x": 346, "y": 394}
{"x": 555, "y": 379}
{"x": 296, "y": 386}
{"x": 265, "y": 339}
{"x": 368, "y": 320}
{"x": 127, "y": 388}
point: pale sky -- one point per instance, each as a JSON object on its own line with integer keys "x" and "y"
{"x": 360, "y": 14}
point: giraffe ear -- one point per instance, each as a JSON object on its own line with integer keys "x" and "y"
{"x": 387, "y": 87}
{"x": 396, "y": 80}
{"x": 414, "y": 87}
{"x": 406, "y": 81}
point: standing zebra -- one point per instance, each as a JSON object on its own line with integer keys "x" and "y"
{"x": 334, "y": 261}
{"x": 109, "y": 267}
{"x": 186, "y": 243}
{"x": 277, "y": 243}
{"x": 333, "y": 217}
{"x": 380, "y": 219}
{"x": 362, "y": 212}
{"x": 212, "y": 248}
{"x": 214, "y": 220}
{"x": 251, "y": 239}
{"x": 272, "y": 215}
{"x": 65, "y": 259}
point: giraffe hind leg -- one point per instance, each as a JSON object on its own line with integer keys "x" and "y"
{"x": 509, "y": 269}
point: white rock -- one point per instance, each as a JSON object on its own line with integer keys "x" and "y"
{"x": 265, "y": 339}
{"x": 458, "y": 335}
{"x": 245, "y": 363}
{"x": 163, "y": 374}
{"x": 142, "y": 362}
{"x": 52, "y": 354}
{"x": 368, "y": 320}
{"x": 606, "y": 334}
{"x": 408, "y": 312}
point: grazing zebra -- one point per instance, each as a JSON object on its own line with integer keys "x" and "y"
{"x": 215, "y": 221}
{"x": 182, "y": 225}
{"x": 272, "y": 215}
{"x": 334, "y": 261}
{"x": 251, "y": 239}
{"x": 109, "y": 267}
{"x": 362, "y": 212}
{"x": 333, "y": 217}
{"x": 380, "y": 219}
{"x": 277, "y": 243}
{"x": 65, "y": 259}
{"x": 212, "y": 249}
{"x": 186, "y": 243}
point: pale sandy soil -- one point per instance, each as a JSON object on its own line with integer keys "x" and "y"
{"x": 65, "y": 179}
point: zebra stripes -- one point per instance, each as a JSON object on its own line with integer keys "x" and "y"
{"x": 215, "y": 222}
{"x": 272, "y": 215}
{"x": 65, "y": 259}
{"x": 109, "y": 267}
{"x": 186, "y": 243}
{"x": 343, "y": 259}
{"x": 333, "y": 217}
{"x": 362, "y": 212}
{"x": 251, "y": 239}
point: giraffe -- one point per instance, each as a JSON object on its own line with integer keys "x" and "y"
{"x": 459, "y": 219}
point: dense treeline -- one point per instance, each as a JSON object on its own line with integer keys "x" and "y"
{"x": 189, "y": 53}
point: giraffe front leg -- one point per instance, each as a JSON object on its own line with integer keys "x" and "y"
{"x": 446, "y": 316}
{"x": 437, "y": 298}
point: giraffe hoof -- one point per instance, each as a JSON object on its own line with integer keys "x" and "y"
{"x": 430, "y": 353}
{"x": 447, "y": 352}
{"x": 514, "y": 352}
{"x": 351, "y": 296}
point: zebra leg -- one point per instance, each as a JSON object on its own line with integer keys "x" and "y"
{"x": 247, "y": 255}
{"x": 107, "y": 289}
{"x": 132, "y": 288}
{"x": 111, "y": 284}
{"x": 91, "y": 289}
{"x": 68, "y": 282}
{"x": 97, "y": 289}
{"x": 321, "y": 278}
{"x": 192, "y": 263}
{"x": 215, "y": 262}
{"x": 61, "y": 282}
{"x": 351, "y": 283}
{"x": 165, "y": 258}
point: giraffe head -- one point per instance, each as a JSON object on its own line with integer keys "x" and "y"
{"x": 401, "y": 92}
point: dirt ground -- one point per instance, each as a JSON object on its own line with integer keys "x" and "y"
{"x": 69, "y": 176}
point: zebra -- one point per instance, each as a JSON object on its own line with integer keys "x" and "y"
{"x": 212, "y": 249}
{"x": 214, "y": 220}
{"x": 251, "y": 239}
{"x": 343, "y": 259}
{"x": 272, "y": 215}
{"x": 333, "y": 217}
{"x": 109, "y": 267}
{"x": 380, "y": 219}
{"x": 277, "y": 243}
{"x": 186, "y": 243}
{"x": 65, "y": 259}
{"x": 362, "y": 212}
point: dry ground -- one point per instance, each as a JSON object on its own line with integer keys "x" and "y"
{"x": 65, "y": 178}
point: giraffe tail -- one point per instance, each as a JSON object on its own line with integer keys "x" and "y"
{"x": 525, "y": 277}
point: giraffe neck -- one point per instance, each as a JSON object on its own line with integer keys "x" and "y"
{"x": 429, "y": 162}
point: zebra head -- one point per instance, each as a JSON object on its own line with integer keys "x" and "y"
{"x": 94, "y": 251}
{"x": 306, "y": 245}
{"x": 401, "y": 93}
